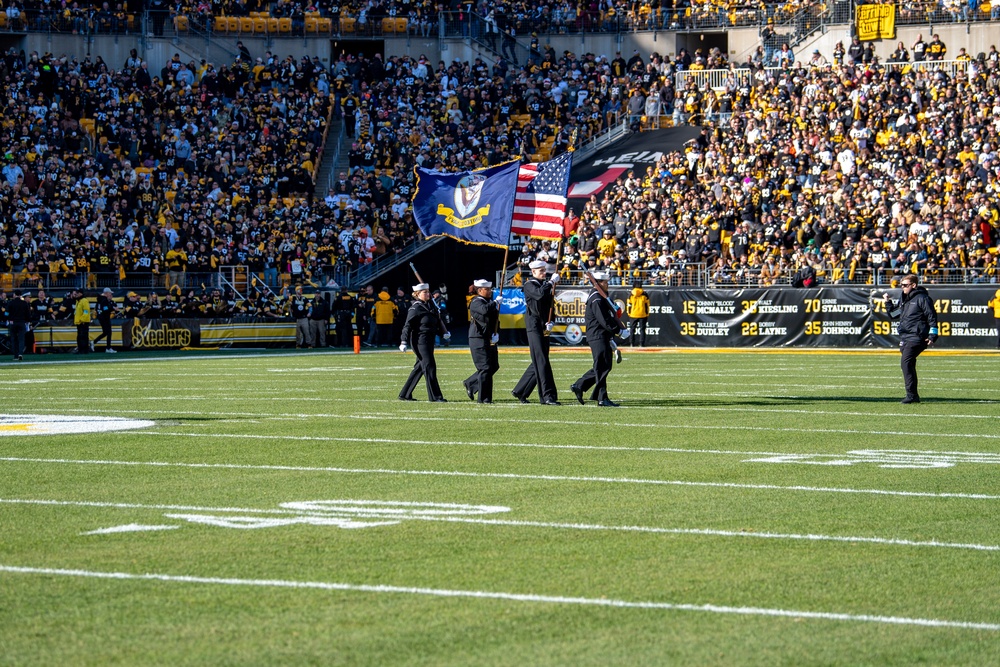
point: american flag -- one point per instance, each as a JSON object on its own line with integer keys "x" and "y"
{"x": 540, "y": 202}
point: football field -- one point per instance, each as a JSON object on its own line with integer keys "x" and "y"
{"x": 740, "y": 508}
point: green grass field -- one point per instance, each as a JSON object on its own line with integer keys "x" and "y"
{"x": 741, "y": 508}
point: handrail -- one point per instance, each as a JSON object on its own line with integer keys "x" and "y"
{"x": 718, "y": 78}
{"x": 387, "y": 262}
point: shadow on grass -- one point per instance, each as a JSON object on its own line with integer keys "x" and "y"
{"x": 772, "y": 401}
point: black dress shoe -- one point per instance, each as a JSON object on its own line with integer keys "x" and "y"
{"x": 607, "y": 403}
{"x": 578, "y": 393}
{"x": 520, "y": 398}
{"x": 407, "y": 398}
{"x": 551, "y": 402}
{"x": 487, "y": 401}
{"x": 910, "y": 399}
{"x": 440, "y": 400}
{"x": 469, "y": 392}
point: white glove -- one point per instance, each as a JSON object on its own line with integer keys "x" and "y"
{"x": 498, "y": 298}
{"x": 554, "y": 279}
{"x": 549, "y": 325}
{"x": 495, "y": 338}
{"x": 402, "y": 347}
{"x": 624, "y": 333}
{"x": 885, "y": 297}
{"x": 447, "y": 335}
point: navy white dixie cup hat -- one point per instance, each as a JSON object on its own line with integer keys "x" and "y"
{"x": 419, "y": 287}
{"x": 538, "y": 264}
{"x": 481, "y": 283}
{"x": 600, "y": 275}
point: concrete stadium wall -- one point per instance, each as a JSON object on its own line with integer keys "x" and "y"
{"x": 114, "y": 49}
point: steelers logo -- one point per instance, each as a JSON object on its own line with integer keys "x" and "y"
{"x": 574, "y": 334}
{"x": 56, "y": 424}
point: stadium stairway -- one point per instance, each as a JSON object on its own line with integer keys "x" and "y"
{"x": 334, "y": 159}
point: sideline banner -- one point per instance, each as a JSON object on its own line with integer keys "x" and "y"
{"x": 820, "y": 317}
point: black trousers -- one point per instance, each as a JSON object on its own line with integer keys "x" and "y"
{"x": 105, "y": 332}
{"x": 18, "y": 335}
{"x": 487, "y": 361}
{"x": 345, "y": 332}
{"x": 908, "y": 362}
{"x": 426, "y": 368}
{"x": 83, "y": 338}
{"x": 638, "y": 325}
{"x": 597, "y": 376}
{"x": 539, "y": 372}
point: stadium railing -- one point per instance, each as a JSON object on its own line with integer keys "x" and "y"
{"x": 799, "y": 24}
{"x": 719, "y": 78}
{"x": 751, "y": 277}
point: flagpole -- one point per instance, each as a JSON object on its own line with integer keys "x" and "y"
{"x": 506, "y": 250}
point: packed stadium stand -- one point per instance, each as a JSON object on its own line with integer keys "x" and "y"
{"x": 838, "y": 163}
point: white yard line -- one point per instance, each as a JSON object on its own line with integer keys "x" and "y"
{"x": 509, "y": 597}
{"x": 515, "y": 476}
{"x": 729, "y": 410}
{"x": 704, "y": 532}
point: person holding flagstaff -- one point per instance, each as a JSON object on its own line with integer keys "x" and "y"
{"x": 484, "y": 334}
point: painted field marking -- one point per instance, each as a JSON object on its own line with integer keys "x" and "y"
{"x": 887, "y": 458}
{"x": 350, "y": 514}
{"x": 510, "y": 597}
{"x": 53, "y": 424}
{"x": 500, "y": 475}
{"x": 128, "y": 528}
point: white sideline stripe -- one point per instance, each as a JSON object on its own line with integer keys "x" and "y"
{"x": 465, "y": 443}
{"x": 512, "y": 597}
{"x": 708, "y": 532}
{"x": 729, "y": 410}
{"x": 713, "y": 427}
{"x": 502, "y": 475}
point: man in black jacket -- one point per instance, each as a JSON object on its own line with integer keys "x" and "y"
{"x": 105, "y": 310}
{"x": 484, "y": 327}
{"x": 18, "y": 314}
{"x": 917, "y": 329}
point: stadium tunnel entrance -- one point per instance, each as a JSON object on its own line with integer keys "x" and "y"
{"x": 703, "y": 41}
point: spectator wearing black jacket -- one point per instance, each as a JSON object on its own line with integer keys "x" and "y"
{"x": 917, "y": 329}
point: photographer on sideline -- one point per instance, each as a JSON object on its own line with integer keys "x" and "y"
{"x": 917, "y": 329}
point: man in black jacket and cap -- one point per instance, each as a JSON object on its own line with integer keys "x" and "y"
{"x": 918, "y": 329}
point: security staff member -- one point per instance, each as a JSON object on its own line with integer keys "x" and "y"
{"x": 298, "y": 308}
{"x": 917, "y": 329}
{"x": 602, "y": 326}
{"x": 18, "y": 313}
{"x": 81, "y": 318}
{"x": 345, "y": 307}
{"x": 484, "y": 328}
{"x": 423, "y": 323}
{"x": 638, "y": 312}
{"x": 319, "y": 321}
{"x": 105, "y": 309}
{"x": 538, "y": 296}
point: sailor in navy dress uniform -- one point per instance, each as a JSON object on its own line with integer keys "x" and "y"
{"x": 602, "y": 326}
{"x": 539, "y": 293}
{"x": 423, "y": 323}
{"x": 484, "y": 328}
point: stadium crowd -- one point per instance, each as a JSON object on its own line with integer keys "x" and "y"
{"x": 820, "y": 173}
{"x": 839, "y": 168}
